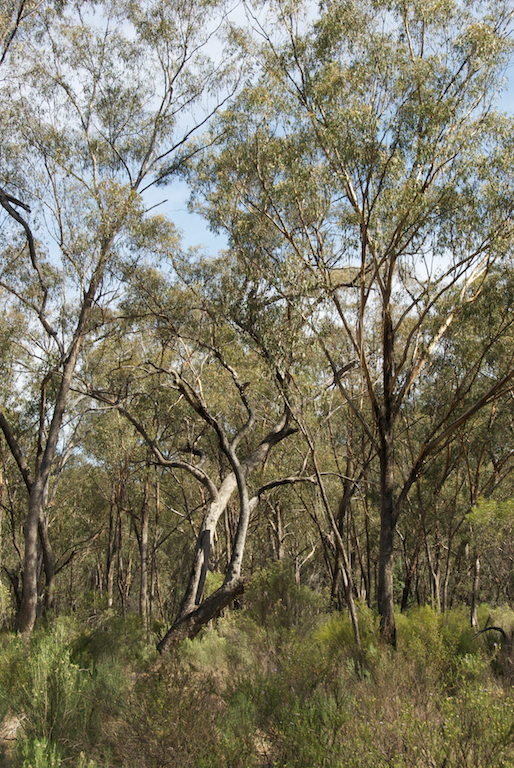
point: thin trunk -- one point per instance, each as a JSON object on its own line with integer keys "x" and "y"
{"x": 448, "y": 564}
{"x": 111, "y": 547}
{"x": 410, "y": 571}
{"x": 143, "y": 550}
{"x": 434, "y": 566}
{"x": 363, "y": 594}
{"x": 277, "y": 527}
{"x": 153, "y": 567}
{"x": 474, "y": 594}
{"x": 125, "y": 572}
{"x": 368, "y": 546}
{"x": 446, "y": 580}
{"x": 335, "y": 591}
{"x": 345, "y": 568}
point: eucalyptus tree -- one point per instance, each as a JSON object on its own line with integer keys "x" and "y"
{"x": 475, "y": 352}
{"x": 209, "y": 410}
{"x": 100, "y": 101}
{"x": 364, "y": 175}
{"x": 14, "y": 15}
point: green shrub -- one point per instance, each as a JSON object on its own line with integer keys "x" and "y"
{"x": 67, "y": 705}
{"x": 246, "y": 696}
{"x": 58, "y": 693}
{"x": 39, "y": 753}
{"x": 115, "y": 639}
{"x": 274, "y": 600}
{"x": 440, "y": 646}
{"x": 168, "y": 719}
{"x": 335, "y": 639}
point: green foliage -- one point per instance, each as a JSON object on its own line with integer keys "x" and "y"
{"x": 247, "y": 696}
{"x": 273, "y": 599}
{"x": 168, "y": 718}
{"x": 39, "y": 753}
{"x": 114, "y": 639}
{"x": 5, "y": 605}
{"x": 365, "y": 186}
{"x": 335, "y": 634}
{"x": 213, "y": 582}
{"x": 491, "y": 530}
{"x": 65, "y": 695}
{"x": 53, "y": 696}
{"x": 441, "y": 646}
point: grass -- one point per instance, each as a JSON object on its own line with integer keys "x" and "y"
{"x": 289, "y": 692}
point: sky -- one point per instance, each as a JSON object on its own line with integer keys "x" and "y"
{"x": 194, "y": 228}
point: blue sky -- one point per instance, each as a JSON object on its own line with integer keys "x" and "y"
{"x": 195, "y": 230}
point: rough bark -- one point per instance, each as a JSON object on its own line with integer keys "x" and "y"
{"x": 27, "y": 613}
{"x": 48, "y": 563}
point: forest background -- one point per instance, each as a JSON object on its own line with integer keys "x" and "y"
{"x": 312, "y": 425}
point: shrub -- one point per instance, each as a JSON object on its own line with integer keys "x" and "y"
{"x": 274, "y": 600}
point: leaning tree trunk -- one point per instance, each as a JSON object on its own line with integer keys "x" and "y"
{"x": 221, "y": 497}
{"x": 189, "y": 624}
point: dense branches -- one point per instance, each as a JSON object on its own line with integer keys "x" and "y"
{"x": 333, "y": 387}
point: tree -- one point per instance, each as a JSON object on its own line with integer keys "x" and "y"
{"x": 190, "y": 350}
{"x": 13, "y": 17}
{"x": 104, "y": 101}
{"x": 366, "y": 176}
{"x": 475, "y": 351}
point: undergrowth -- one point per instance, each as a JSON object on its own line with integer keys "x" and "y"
{"x": 281, "y": 688}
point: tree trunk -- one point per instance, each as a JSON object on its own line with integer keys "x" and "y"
{"x": 153, "y": 566}
{"x": 474, "y": 594}
{"x": 143, "y": 550}
{"x": 28, "y": 609}
{"x": 388, "y": 513}
{"x": 46, "y": 455}
{"x": 48, "y": 563}
{"x": 112, "y": 544}
{"x": 410, "y": 571}
{"x": 189, "y": 625}
{"x": 194, "y": 590}
{"x": 386, "y": 545}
